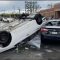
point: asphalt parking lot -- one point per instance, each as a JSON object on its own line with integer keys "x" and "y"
{"x": 46, "y": 52}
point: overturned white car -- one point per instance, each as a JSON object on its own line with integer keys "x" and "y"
{"x": 12, "y": 33}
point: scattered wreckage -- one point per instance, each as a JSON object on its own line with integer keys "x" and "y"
{"x": 16, "y": 31}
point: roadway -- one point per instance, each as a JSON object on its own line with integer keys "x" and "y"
{"x": 31, "y": 52}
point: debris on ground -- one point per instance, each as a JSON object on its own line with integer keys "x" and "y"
{"x": 35, "y": 42}
{"x": 47, "y": 50}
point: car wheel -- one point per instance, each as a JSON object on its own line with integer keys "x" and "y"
{"x": 5, "y": 38}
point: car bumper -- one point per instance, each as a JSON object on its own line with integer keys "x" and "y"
{"x": 51, "y": 37}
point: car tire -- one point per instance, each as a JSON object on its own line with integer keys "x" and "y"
{"x": 5, "y": 38}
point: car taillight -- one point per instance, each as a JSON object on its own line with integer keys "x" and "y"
{"x": 43, "y": 30}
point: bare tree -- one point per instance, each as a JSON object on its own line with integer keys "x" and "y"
{"x": 31, "y": 6}
{"x": 50, "y": 5}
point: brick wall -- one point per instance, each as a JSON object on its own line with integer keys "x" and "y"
{"x": 52, "y": 11}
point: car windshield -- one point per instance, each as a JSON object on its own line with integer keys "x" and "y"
{"x": 53, "y": 23}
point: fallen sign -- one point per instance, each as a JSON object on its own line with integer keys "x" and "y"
{"x": 35, "y": 42}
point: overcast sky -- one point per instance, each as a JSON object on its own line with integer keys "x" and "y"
{"x": 9, "y": 5}
{"x": 44, "y": 4}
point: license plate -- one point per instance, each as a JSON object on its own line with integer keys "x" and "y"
{"x": 53, "y": 32}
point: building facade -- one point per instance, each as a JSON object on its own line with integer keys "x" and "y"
{"x": 52, "y": 12}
